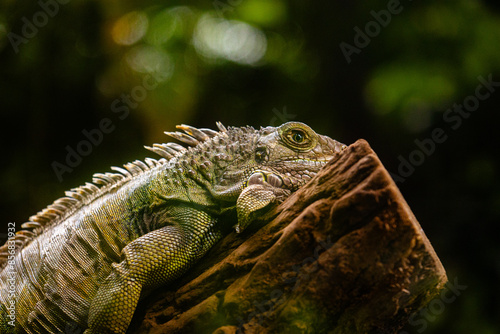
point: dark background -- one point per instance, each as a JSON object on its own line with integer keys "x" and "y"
{"x": 257, "y": 62}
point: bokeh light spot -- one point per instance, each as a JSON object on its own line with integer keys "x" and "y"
{"x": 151, "y": 60}
{"x": 130, "y": 28}
{"x": 166, "y": 24}
{"x": 231, "y": 40}
{"x": 263, "y": 12}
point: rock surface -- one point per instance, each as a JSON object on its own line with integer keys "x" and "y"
{"x": 344, "y": 254}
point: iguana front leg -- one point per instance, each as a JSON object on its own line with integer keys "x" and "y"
{"x": 261, "y": 190}
{"x": 154, "y": 259}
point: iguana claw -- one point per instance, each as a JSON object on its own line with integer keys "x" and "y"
{"x": 262, "y": 189}
{"x": 251, "y": 201}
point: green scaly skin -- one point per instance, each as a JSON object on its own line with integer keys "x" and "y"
{"x": 85, "y": 261}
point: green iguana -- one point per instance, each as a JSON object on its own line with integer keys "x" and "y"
{"x": 88, "y": 258}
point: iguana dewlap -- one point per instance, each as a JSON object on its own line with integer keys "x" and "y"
{"x": 85, "y": 260}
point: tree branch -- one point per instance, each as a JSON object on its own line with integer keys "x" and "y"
{"x": 344, "y": 254}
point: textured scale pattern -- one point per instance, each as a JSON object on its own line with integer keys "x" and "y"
{"x": 86, "y": 260}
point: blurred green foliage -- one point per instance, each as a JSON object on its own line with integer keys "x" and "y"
{"x": 263, "y": 62}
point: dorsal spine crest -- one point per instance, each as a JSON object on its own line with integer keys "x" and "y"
{"x": 198, "y": 140}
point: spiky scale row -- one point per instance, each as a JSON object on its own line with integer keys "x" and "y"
{"x": 167, "y": 150}
{"x": 78, "y": 197}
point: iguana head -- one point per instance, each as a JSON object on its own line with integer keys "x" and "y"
{"x": 292, "y": 153}
{"x": 270, "y": 164}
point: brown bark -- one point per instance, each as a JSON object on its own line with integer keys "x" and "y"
{"x": 344, "y": 254}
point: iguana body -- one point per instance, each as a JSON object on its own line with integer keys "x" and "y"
{"x": 86, "y": 259}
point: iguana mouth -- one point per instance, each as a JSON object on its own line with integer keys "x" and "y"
{"x": 313, "y": 162}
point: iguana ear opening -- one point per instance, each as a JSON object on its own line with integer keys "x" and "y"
{"x": 251, "y": 202}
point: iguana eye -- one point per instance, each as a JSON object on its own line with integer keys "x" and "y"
{"x": 298, "y": 136}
